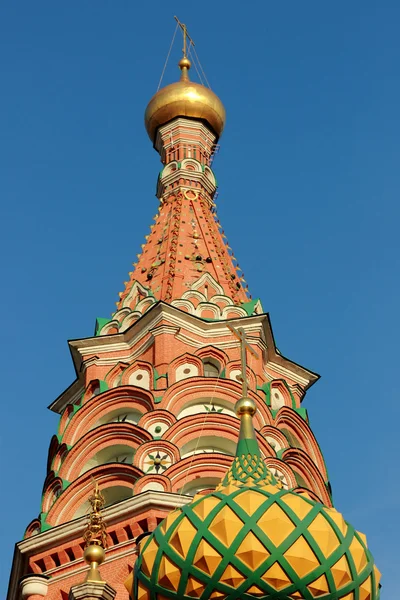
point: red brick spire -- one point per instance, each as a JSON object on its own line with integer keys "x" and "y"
{"x": 186, "y": 240}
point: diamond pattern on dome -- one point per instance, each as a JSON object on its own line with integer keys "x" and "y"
{"x": 301, "y": 558}
{"x": 205, "y": 506}
{"x": 249, "y": 469}
{"x": 276, "y": 523}
{"x": 194, "y": 587}
{"x": 232, "y": 576}
{"x": 365, "y": 592}
{"x": 149, "y": 557}
{"x": 218, "y": 595}
{"x": 297, "y": 504}
{"x": 228, "y": 489}
{"x": 312, "y": 564}
{"x": 249, "y": 501}
{"x": 358, "y": 554}
{"x": 324, "y": 535}
{"x": 168, "y": 574}
{"x": 142, "y": 593}
{"x": 254, "y": 590}
{"x": 183, "y": 537}
{"x": 206, "y": 558}
{"x": 341, "y": 572}
{"x": 252, "y": 552}
{"x": 319, "y": 587}
{"x": 226, "y": 525}
{"x": 276, "y": 577}
{"x": 170, "y": 519}
{"x": 337, "y": 519}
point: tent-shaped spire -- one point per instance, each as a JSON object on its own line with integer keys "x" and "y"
{"x": 184, "y": 120}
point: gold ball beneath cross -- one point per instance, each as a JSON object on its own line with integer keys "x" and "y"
{"x": 245, "y": 406}
{"x": 94, "y": 553}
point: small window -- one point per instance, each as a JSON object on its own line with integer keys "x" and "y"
{"x": 210, "y": 369}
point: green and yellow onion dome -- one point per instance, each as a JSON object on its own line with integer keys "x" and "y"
{"x": 252, "y": 539}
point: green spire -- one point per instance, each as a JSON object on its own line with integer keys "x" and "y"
{"x": 248, "y": 467}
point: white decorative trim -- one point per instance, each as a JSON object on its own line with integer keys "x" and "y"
{"x": 34, "y": 585}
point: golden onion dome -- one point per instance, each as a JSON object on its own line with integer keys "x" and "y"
{"x": 252, "y": 539}
{"x": 184, "y": 99}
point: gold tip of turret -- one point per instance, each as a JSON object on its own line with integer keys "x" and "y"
{"x": 245, "y": 406}
{"x": 184, "y": 64}
{"x": 184, "y": 98}
{"x": 95, "y": 536}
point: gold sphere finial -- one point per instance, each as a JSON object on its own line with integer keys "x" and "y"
{"x": 184, "y": 63}
{"x": 245, "y": 406}
{"x": 94, "y": 553}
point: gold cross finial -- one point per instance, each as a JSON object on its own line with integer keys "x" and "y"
{"x": 186, "y": 36}
{"x": 244, "y": 346}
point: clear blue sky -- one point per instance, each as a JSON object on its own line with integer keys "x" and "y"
{"x": 309, "y": 198}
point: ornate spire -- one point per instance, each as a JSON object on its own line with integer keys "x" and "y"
{"x": 95, "y": 536}
{"x": 184, "y": 121}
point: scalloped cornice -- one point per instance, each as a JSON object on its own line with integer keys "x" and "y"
{"x": 193, "y": 330}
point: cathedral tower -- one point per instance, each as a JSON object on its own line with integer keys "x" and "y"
{"x": 151, "y": 415}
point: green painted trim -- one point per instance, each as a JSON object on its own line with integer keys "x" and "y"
{"x": 103, "y": 386}
{"x": 100, "y": 322}
{"x": 157, "y": 399}
{"x": 302, "y": 412}
{"x": 156, "y": 377}
{"x": 249, "y": 306}
{"x": 44, "y": 526}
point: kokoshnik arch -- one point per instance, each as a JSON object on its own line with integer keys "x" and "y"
{"x": 153, "y": 418}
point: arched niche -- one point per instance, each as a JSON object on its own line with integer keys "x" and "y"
{"x": 294, "y": 442}
{"x": 208, "y": 444}
{"x": 118, "y": 453}
{"x": 277, "y": 399}
{"x": 211, "y": 367}
{"x": 122, "y": 414}
{"x": 206, "y": 405}
{"x": 191, "y": 488}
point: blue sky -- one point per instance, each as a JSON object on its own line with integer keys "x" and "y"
{"x": 309, "y": 198}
